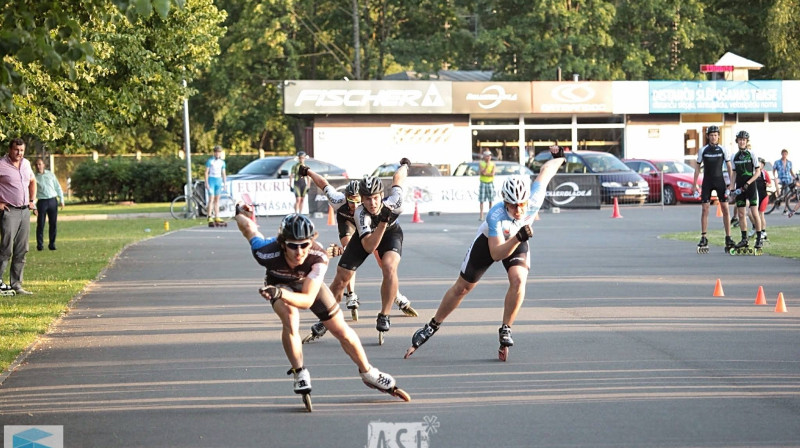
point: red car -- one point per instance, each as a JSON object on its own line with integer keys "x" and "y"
{"x": 678, "y": 178}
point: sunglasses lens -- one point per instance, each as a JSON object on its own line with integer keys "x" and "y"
{"x": 296, "y": 246}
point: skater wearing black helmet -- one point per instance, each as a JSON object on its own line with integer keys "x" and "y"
{"x": 502, "y": 237}
{"x": 295, "y": 266}
{"x": 746, "y": 170}
{"x": 377, "y": 229}
{"x": 714, "y": 159}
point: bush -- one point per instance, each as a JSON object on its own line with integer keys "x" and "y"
{"x": 151, "y": 180}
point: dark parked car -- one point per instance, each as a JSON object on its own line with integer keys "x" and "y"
{"x": 615, "y": 178}
{"x": 678, "y": 178}
{"x": 502, "y": 168}
{"x": 415, "y": 169}
{"x": 279, "y": 167}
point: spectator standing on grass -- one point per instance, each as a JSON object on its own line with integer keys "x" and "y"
{"x": 48, "y": 196}
{"x": 486, "y": 188}
{"x": 215, "y": 183}
{"x": 17, "y": 190}
{"x": 782, "y": 171}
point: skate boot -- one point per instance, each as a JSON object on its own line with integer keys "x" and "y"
{"x": 764, "y": 236}
{"x": 421, "y": 336}
{"x": 382, "y": 325}
{"x": 6, "y": 290}
{"x": 219, "y": 222}
{"x": 505, "y": 342}
{"x": 734, "y": 222}
{"x": 211, "y": 222}
{"x": 383, "y": 382}
{"x": 729, "y": 244}
{"x": 702, "y": 246}
{"x": 352, "y": 304}
{"x": 302, "y": 385}
{"x": 759, "y": 244}
{"x": 404, "y": 305}
{"x": 318, "y": 330}
{"x": 741, "y": 248}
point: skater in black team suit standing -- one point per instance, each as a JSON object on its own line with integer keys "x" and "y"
{"x": 295, "y": 266}
{"x": 714, "y": 159}
{"x": 746, "y": 170}
{"x": 502, "y": 237}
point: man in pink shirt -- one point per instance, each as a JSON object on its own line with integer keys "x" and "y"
{"x": 17, "y": 193}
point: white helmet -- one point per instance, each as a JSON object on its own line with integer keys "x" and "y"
{"x": 516, "y": 190}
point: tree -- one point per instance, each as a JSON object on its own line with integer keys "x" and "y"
{"x": 49, "y": 32}
{"x": 783, "y": 35}
{"x": 134, "y": 78}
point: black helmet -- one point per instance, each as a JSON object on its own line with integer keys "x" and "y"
{"x": 711, "y": 129}
{"x": 296, "y": 227}
{"x": 352, "y": 188}
{"x": 370, "y": 185}
{"x": 743, "y": 134}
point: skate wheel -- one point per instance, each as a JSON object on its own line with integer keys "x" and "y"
{"x": 309, "y": 338}
{"x": 409, "y": 352}
{"x": 502, "y": 354}
{"x": 307, "y": 402}
{"x": 401, "y": 394}
{"x": 354, "y": 314}
{"x": 408, "y": 311}
{"x": 380, "y": 338}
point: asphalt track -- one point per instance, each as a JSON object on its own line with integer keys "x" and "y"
{"x": 620, "y": 343}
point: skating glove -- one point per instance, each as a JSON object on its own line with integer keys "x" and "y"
{"x": 302, "y": 170}
{"x": 524, "y": 233}
{"x": 334, "y": 251}
{"x": 405, "y": 161}
{"x": 272, "y": 291}
{"x": 384, "y": 214}
{"x": 244, "y": 209}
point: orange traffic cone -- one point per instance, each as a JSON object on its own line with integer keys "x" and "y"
{"x": 718, "y": 289}
{"x": 331, "y": 217}
{"x": 416, "y": 218}
{"x": 719, "y": 210}
{"x": 780, "y": 307}
{"x": 760, "y": 299}
{"x": 616, "y": 210}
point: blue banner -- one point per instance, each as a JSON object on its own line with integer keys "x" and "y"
{"x": 715, "y": 96}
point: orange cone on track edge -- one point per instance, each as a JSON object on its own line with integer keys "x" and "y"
{"x": 718, "y": 289}
{"x": 416, "y": 218}
{"x": 760, "y": 299}
{"x": 780, "y": 307}
{"x": 719, "y": 210}
{"x": 331, "y": 218}
{"x": 616, "y": 214}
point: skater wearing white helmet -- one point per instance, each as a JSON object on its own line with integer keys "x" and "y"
{"x": 502, "y": 237}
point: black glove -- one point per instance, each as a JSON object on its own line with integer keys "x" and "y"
{"x": 559, "y": 153}
{"x": 384, "y": 214}
{"x": 524, "y": 233}
{"x": 272, "y": 291}
{"x": 302, "y": 170}
{"x": 405, "y": 161}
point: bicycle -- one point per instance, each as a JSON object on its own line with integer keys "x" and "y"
{"x": 790, "y": 195}
{"x": 191, "y": 207}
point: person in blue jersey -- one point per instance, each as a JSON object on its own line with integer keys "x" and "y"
{"x": 502, "y": 237}
{"x": 215, "y": 183}
{"x": 295, "y": 267}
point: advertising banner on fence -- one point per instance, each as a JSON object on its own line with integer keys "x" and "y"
{"x": 572, "y": 97}
{"x": 715, "y": 96}
{"x": 445, "y": 194}
{"x": 367, "y": 97}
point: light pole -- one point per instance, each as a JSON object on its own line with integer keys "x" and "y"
{"x": 188, "y": 147}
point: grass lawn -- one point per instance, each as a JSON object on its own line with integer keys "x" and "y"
{"x": 783, "y": 241}
{"x": 56, "y": 277}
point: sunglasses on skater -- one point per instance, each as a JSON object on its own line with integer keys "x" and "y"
{"x": 297, "y": 246}
{"x": 354, "y": 200}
